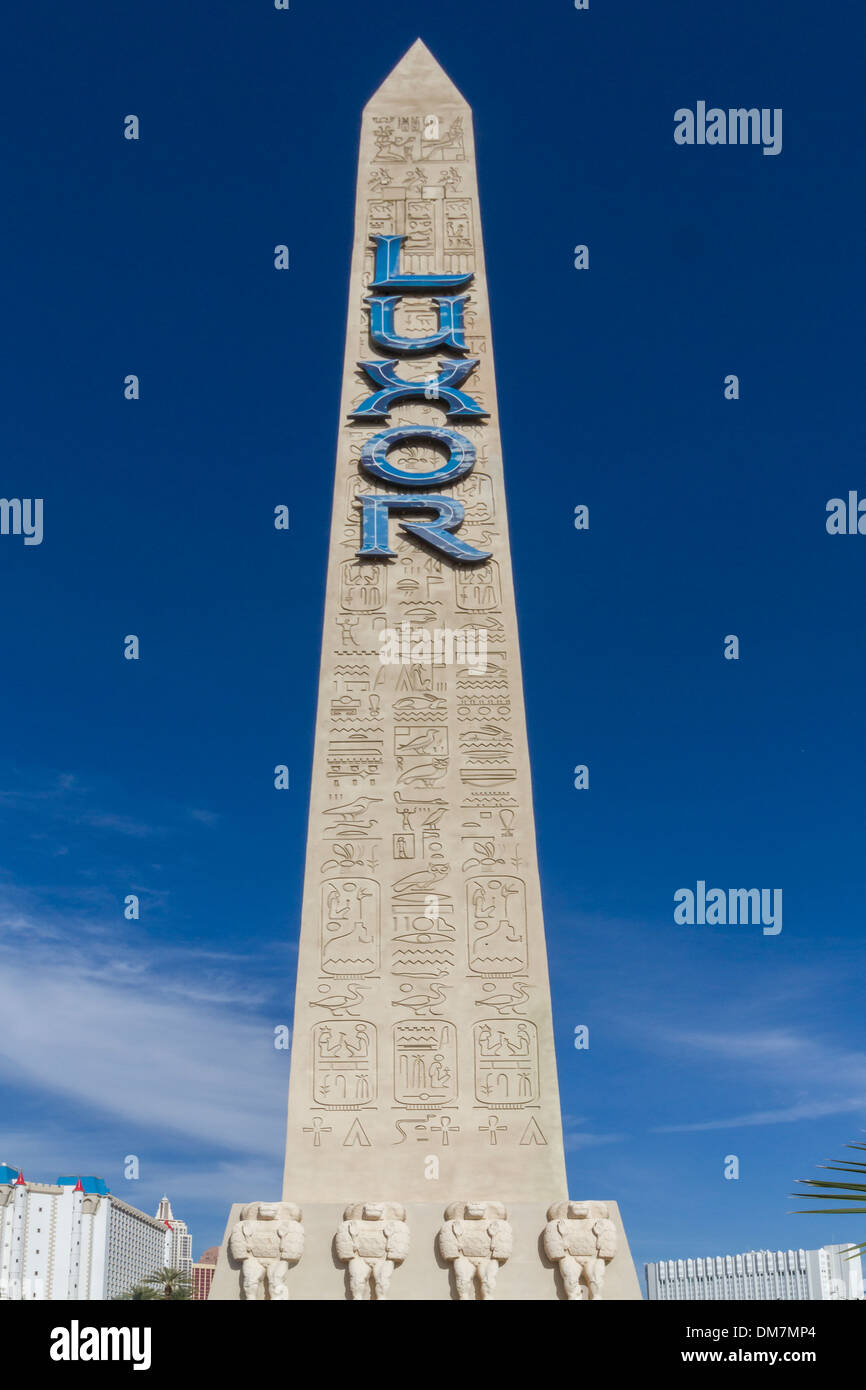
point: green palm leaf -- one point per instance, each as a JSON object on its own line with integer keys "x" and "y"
{"x": 170, "y": 1284}
{"x": 845, "y": 1191}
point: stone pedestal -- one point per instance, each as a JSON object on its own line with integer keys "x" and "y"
{"x": 526, "y": 1276}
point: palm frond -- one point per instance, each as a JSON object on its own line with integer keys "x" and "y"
{"x": 837, "y": 1191}
{"x": 828, "y": 1211}
{"x": 836, "y": 1187}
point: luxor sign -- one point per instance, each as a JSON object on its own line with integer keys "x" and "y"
{"x": 390, "y": 284}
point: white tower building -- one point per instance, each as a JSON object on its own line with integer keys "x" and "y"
{"x": 74, "y": 1240}
{"x": 784, "y": 1275}
{"x": 180, "y": 1242}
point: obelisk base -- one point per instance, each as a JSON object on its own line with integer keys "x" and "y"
{"x": 424, "y": 1275}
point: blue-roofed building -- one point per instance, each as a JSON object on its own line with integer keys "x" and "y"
{"x": 98, "y": 1185}
{"x": 73, "y": 1239}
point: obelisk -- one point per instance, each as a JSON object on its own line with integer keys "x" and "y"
{"x": 424, "y": 1124}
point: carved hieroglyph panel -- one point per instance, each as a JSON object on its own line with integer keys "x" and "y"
{"x": 422, "y": 1006}
{"x": 425, "y": 1063}
{"x": 362, "y": 587}
{"x": 344, "y": 1064}
{"x": 506, "y": 1063}
{"x": 350, "y": 927}
{"x": 497, "y": 935}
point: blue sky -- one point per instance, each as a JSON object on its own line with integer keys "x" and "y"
{"x": 154, "y": 1038}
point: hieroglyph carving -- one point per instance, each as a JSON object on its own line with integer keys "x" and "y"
{"x": 496, "y": 910}
{"x": 581, "y": 1239}
{"x": 344, "y": 1064}
{"x": 422, "y": 1008}
{"x": 425, "y": 1063}
{"x": 267, "y": 1239}
{"x": 373, "y": 1239}
{"x": 506, "y": 1063}
{"x": 477, "y": 1238}
{"x": 350, "y": 927}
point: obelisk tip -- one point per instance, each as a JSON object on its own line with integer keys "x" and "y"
{"x": 416, "y": 79}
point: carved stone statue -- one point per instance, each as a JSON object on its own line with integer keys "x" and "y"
{"x": 477, "y": 1238}
{"x": 581, "y": 1239}
{"x": 373, "y": 1239}
{"x": 267, "y": 1239}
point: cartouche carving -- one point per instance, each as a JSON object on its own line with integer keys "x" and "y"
{"x": 425, "y": 1063}
{"x": 506, "y": 1062}
{"x": 422, "y": 1026}
{"x": 344, "y": 1064}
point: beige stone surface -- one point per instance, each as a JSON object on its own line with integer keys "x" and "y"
{"x": 424, "y": 1275}
{"x": 423, "y": 1074}
{"x": 421, "y": 1034}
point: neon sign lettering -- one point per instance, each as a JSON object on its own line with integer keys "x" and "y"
{"x": 447, "y": 512}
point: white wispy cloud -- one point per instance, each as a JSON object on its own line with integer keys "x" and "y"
{"x": 65, "y": 799}
{"x": 162, "y": 1041}
{"x": 764, "y": 1041}
{"x": 805, "y": 1110}
{"x": 574, "y": 1141}
{"x": 824, "y": 1078}
{"x": 122, "y": 825}
{"x": 180, "y": 1066}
